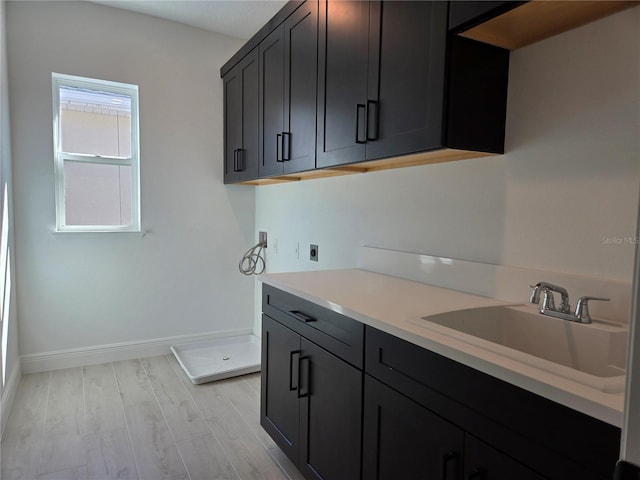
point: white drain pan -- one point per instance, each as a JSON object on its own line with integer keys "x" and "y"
{"x": 212, "y": 360}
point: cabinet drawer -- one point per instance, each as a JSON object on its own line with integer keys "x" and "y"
{"x": 562, "y": 442}
{"x": 340, "y": 335}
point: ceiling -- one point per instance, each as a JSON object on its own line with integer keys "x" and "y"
{"x": 236, "y": 18}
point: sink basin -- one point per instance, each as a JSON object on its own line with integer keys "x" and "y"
{"x": 593, "y": 354}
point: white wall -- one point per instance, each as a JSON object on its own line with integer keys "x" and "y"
{"x": 560, "y": 199}
{"x": 83, "y": 290}
{"x": 12, "y": 367}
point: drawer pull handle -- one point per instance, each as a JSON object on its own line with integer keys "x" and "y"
{"x": 294, "y": 370}
{"x": 279, "y": 146}
{"x": 447, "y": 458}
{"x": 304, "y": 372}
{"x": 286, "y": 146}
{"x": 303, "y": 317}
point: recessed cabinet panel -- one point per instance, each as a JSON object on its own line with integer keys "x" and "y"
{"x": 232, "y": 119}
{"x": 342, "y": 82}
{"x": 301, "y": 71}
{"x": 483, "y": 462}
{"x": 279, "y": 414}
{"x": 330, "y": 421}
{"x": 241, "y": 120}
{"x": 288, "y": 76}
{"x": 403, "y": 440}
{"x": 407, "y": 46}
{"x": 272, "y": 102}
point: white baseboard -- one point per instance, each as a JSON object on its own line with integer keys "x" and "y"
{"x": 78, "y": 357}
{"x": 9, "y": 394}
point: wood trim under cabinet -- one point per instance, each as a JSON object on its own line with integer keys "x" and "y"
{"x": 540, "y": 19}
{"x": 413, "y": 160}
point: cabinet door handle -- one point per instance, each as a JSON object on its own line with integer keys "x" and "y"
{"x": 286, "y": 146}
{"x": 474, "y": 474}
{"x": 360, "y": 107}
{"x": 447, "y": 458}
{"x": 302, "y": 316}
{"x": 235, "y": 159}
{"x": 279, "y": 148}
{"x": 240, "y": 160}
{"x": 372, "y": 106}
{"x": 294, "y": 370}
{"x": 304, "y": 373}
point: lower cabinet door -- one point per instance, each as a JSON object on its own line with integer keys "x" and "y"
{"x": 330, "y": 415}
{"x": 403, "y": 440}
{"x": 279, "y": 403}
{"x": 483, "y": 462}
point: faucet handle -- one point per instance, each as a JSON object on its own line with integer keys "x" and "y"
{"x": 582, "y": 308}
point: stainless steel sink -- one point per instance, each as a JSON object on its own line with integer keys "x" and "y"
{"x": 594, "y": 354}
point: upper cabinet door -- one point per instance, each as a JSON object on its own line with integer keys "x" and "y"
{"x": 342, "y": 82}
{"x": 241, "y": 152}
{"x": 301, "y": 74}
{"x": 272, "y": 102}
{"x": 405, "y": 101}
{"x": 381, "y": 83}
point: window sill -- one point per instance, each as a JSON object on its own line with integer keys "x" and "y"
{"x": 99, "y": 233}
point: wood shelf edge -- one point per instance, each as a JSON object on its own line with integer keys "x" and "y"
{"x": 413, "y": 160}
{"x": 540, "y": 19}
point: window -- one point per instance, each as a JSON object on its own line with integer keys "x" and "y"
{"x": 95, "y": 137}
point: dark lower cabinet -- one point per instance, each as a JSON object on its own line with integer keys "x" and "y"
{"x": 482, "y": 462}
{"x": 311, "y": 404}
{"x": 403, "y": 440}
{"x": 280, "y": 405}
{"x": 344, "y": 401}
{"x": 330, "y": 415}
{"x": 509, "y": 433}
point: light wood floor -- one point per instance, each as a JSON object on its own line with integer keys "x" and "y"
{"x": 138, "y": 419}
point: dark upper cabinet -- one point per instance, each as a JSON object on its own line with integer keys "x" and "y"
{"x": 241, "y": 150}
{"x": 288, "y": 73}
{"x": 392, "y": 82}
{"x": 342, "y": 82}
{"x": 407, "y": 56}
{"x": 271, "y": 102}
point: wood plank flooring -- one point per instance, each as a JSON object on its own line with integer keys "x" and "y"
{"x": 138, "y": 419}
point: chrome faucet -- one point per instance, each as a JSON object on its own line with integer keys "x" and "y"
{"x": 548, "y": 306}
{"x": 546, "y": 288}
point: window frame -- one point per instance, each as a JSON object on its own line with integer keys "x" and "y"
{"x": 62, "y": 80}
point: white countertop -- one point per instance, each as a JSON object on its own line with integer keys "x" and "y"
{"x": 386, "y": 303}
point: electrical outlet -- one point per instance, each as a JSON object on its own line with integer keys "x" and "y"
{"x": 313, "y": 253}
{"x": 262, "y": 238}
